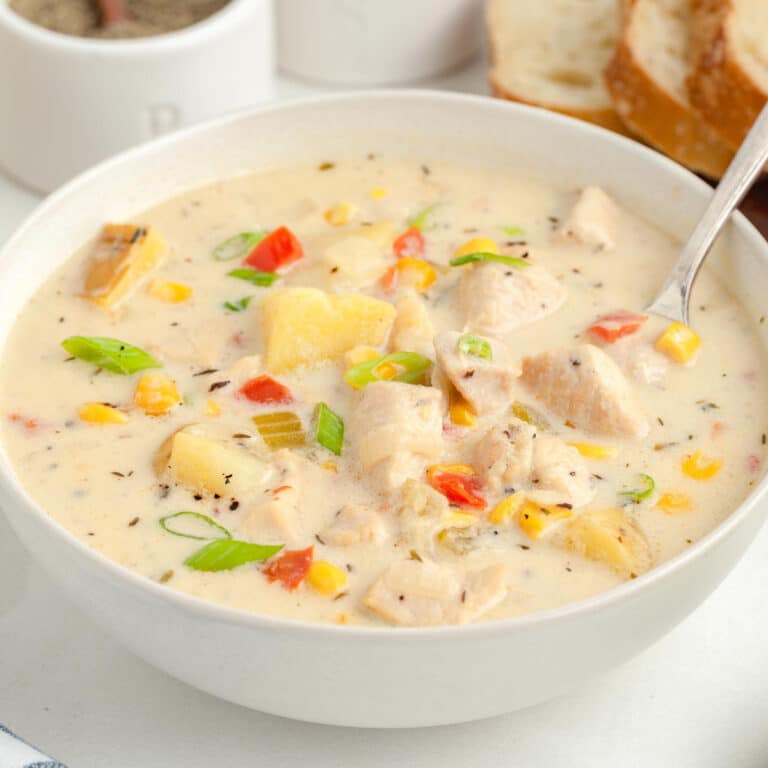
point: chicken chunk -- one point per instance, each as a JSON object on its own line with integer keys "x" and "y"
{"x": 592, "y": 221}
{"x": 585, "y": 386}
{"x": 639, "y": 360}
{"x": 494, "y": 299}
{"x": 521, "y": 458}
{"x": 418, "y": 594}
{"x": 486, "y": 384}
{"x": 394, "y": 430}
{"x": 412, "y": 330}
{"x": 422, "y": 512}
{"x": 276, "y": 520}
{"x": 355, "y": 524}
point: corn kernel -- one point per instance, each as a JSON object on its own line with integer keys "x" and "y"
{"x": 534, "y": 519}
{"x": 701, "y": 467}
{"x": 212, "y": 408}
{"x": 451, "y": 469}
{"x": 477, "y": 245}
{"x": 378, "y": 193}
{"x": 340, "y": 214}
{"x": 101, "y": 413}
{"x": 506, "y": 510}
{"x": 675, "y": 503}
{"x": 330, "y": 466}
{"x": 326, "y": 578}
{"x": 386, "y": 371}
{"x": 679, "y": 342}
{"x": 342, "y": 618}
{"x": 595, "y": 451}
{"x": 165, "y": 290}
{"x": 417, "y": 273}
{"x": 156, "y": 394}
{"x": 358, "y": 355}
{"x": 461, "y": 412}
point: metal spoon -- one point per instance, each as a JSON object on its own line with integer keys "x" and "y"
{"x": 750, "y": 160}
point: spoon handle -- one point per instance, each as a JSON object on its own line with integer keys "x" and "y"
{"x": 748, "y": 163}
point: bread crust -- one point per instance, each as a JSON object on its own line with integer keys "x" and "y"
{"x": 656, "y": 114}
{"x": 720, "y": 89}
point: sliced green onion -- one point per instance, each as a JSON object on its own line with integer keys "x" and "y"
{"x": 330, "y": 428}
{"x": 469, "y": 344}
{"x": 470, "y": 258}
{"x": 237, "y": 246}
{"x": 264, "y": 279}
{"x": 226, "y": 554}
{"x": 410, "y": 366}
{"x": 513, "y": 231}
{"x": 219, "y": 531}
{"x": 111, "y": 354}
{"x": 640, "y": 494}
{"x": 239, "y": 305}
{"x": 421, "y": 219}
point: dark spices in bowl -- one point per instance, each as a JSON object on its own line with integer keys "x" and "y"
{"x": 116, "y": 18}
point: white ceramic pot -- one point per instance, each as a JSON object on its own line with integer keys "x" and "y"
{"x": 372, "y": 42}
{"x": 377, "y": 676}
{"x": 69, "y": 102}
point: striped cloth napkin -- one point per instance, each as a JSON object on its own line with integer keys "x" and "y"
{"x": 15, "y": 753}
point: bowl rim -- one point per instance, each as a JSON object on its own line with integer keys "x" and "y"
{"x": 12, "y": 491}
{"x": 139, "y": 46}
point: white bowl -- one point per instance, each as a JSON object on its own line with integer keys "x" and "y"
{"x": 376, "y": 676}
{"x": 69, "y": 102}
{"x": 371, "y": 42}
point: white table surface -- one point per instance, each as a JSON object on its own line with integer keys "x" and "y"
{"x": 698, "y": 698}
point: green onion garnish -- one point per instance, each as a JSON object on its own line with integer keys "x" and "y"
{"x": 111, "y": 354}
{"x": 330, "y": 428}
{"x": 513, "y": 231}
{"x": 193, "y": 518}
{"x": 237, "y": 246}
{"x": 469, "y": 344}
{"x": 408, "y": 367}
{"x": 263, "y": 279}
{"x": 239, "y": 305}
{"x": 421, "y": 219}
{"x": 512, "y": 261}
{"x": 637, "y": 495}
{"x": 226, "y": 554}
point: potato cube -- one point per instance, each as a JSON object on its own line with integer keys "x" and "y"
{"x": 123, "y": 255}
{"x": 306, "y": 326}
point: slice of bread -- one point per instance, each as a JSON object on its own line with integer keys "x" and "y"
{"x": 551, "y": 54}
{"x": 647, "y": 81}
{"x": 728, "y": 83}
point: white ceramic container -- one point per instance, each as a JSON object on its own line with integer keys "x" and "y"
{"x": 372, "y": 42}
{"x": 377, "y": 676}
{"x": 69, "y": 102}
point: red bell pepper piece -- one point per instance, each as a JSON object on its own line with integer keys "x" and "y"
{"x": 278, "y": 249}
{"x": 290, "y": 568}
{"x": 264, "y": 389}
{"x": 616, "y": 325}
{"x": 459, "y": 489}
{"x": 410, "y": 243}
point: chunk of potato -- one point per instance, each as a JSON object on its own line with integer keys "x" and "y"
{"x": 122, "y": 256}
{"x": 305, "y": 326}
{"x": 609, "y": 536}
{"x": 211, "y": 465}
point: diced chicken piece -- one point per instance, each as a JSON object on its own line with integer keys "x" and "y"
{"x": 420, "y": 594}
{"x": 412, "y": 330}
{"x": 639, "y": 359}
{"x": 394, "y": 430}
{"x": 276, "y": 520}
{"x": 504, "y": 457}
{"x": 486, "y": 384}
{"x": 592, "y": 221}
{"x": 586, "y": 387}
{"x": 560, "y": 474}
{"x": 494, "y": 299}
{"x": 356, "y": 524}
{"x": 422, "y": 512}
{"x": 521, "y": 458}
